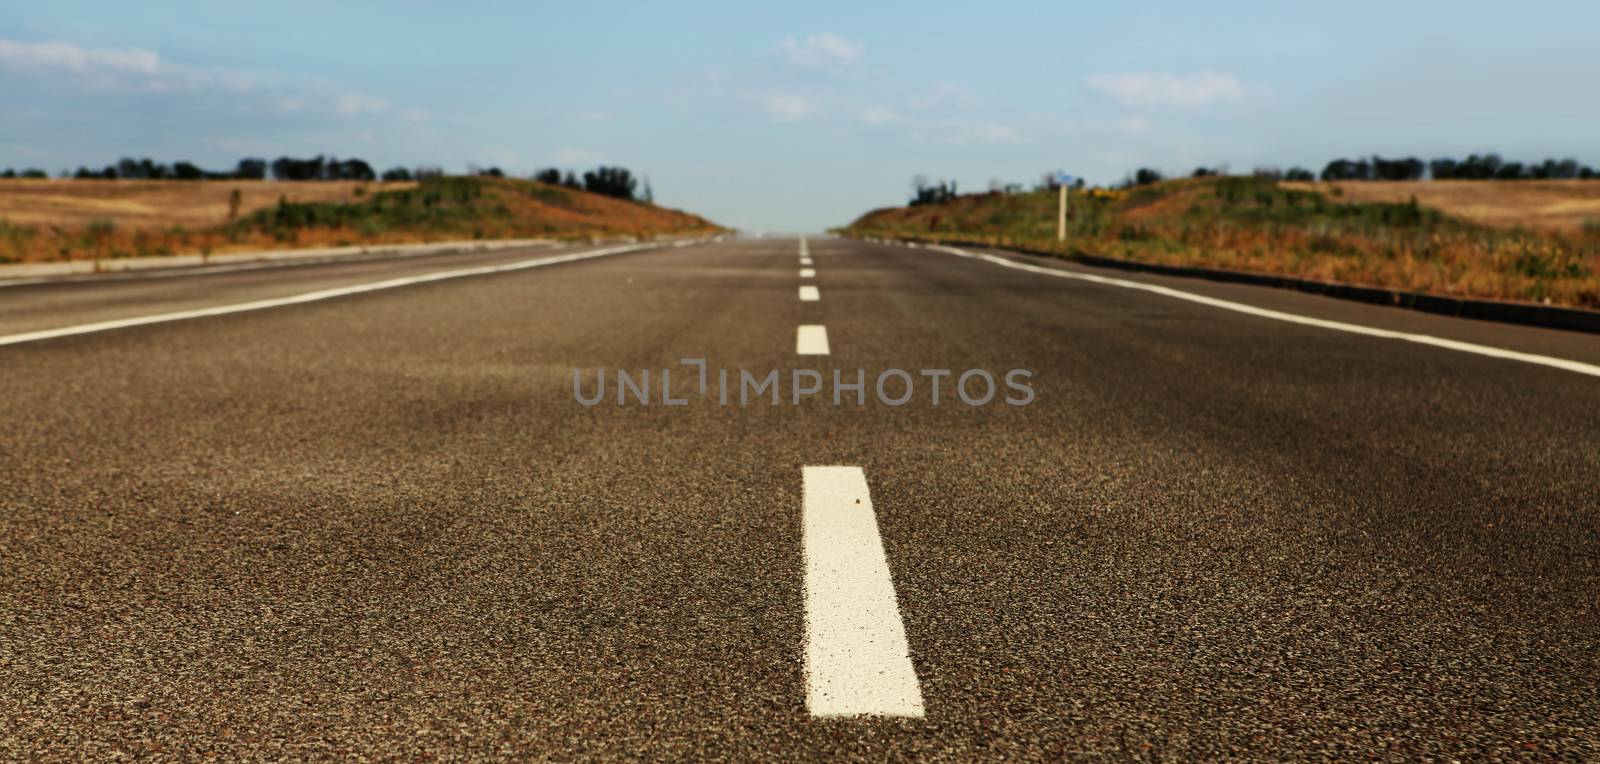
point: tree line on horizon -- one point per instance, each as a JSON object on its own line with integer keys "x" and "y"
{"x": 1475, "y": 167}
{"x": 1487, "y": 166}
{"x": 618, "y": 182}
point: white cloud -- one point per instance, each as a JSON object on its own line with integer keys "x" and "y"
{"x": 1163, "y": 90}
{"x": 352, "y": 103}
{"x": 60, "y": 55}
{"x": 126, "y": 69}
{"x": 789, "y": 108}
{"x": 824, "y": 51}
{"x": 140, "y": 71}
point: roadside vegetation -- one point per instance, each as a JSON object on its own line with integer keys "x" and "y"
{"x": 1261, "y": 225}
{"x": 433, "y": 208}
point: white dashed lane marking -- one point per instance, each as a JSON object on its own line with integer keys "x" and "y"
{"x": 809, "y": 294}
{"x": 808, "y": 273}
{"x": 858, "y": 662}
{"x": 811, "y": 339}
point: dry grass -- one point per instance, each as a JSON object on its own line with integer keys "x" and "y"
{"x": 80, "y": 220}
{"x": 156, "y": 204}
{"x": 1255, "y": 225}
{"x": 1552, "y": 205}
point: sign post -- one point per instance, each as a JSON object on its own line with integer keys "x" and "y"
{"x": 1062, "y": 181}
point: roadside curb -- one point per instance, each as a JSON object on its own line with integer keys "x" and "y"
{"x": 117, "y": 265}
{"x": 1504, "y": 311}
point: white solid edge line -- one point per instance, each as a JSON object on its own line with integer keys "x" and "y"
{"x": 809, "y": 294}
{"x": 858, "y": 662}
{"x": 811, "y": 339}
{"x": 808, "y": 273}
{"x": 325, "y": 294}
{"x": 1293, "y": 318}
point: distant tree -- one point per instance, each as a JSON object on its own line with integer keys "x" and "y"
{"x": 250, "y": 169}
{"x": 1509, "y": 171}
{"x": 1299, "y": 174}
{"x": 1396, "y": 169}
{"x": 142, "y": 169}
{"x": 1144, "y": 176}
{"x": 649, "y": 195}
{"x": 155, "y": 170}
{"x": 289, "y": 168}
{"x": 1268, "y": 173}
{"x": 1555, "y": 169}
{"x": 1346, "y": 169}
{"x": 349, "y": 169}
{"x": 34, "y": 172}
{"x": 549, "y": 175}
{"x": 610, "y": 181}
{"x": 187, "y": 171}
{"x": 9, "y": 173}
{"x": 1443, "y": 168}
{"x": 925, "y": 192}
{"x": 427, "y": 173}
{"x": 570, "y": 180}
{"x": 1586, "y": 172}
{"x": 396, "y": 173}
{"x": 84, "y": 173}
{"x": 491, "y": 172}
{"x": 1203, "y": 172}
{"x": 1476, "y": 167}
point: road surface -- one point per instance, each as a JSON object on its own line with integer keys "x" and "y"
{"x": 381, "y": 522}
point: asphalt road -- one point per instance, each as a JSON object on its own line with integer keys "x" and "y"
{"x": 382, "y": 525}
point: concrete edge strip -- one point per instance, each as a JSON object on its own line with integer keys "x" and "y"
{"x": 1421, "y": 339}
{"x": 324, "y": 294}
{"x": 1499, "y": 311}
{"x": 158, "y": 265}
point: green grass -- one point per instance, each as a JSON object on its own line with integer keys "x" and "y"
{"x": 438, "y": 203}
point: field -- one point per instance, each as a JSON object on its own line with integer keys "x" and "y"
{"x": 1554, "y": 205}
{"x": 154, "y": 204}
{"x": 1257, "y": 225}
{"x": 47, "y": 220}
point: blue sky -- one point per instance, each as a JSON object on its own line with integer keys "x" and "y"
{"x": 797, "y": 116}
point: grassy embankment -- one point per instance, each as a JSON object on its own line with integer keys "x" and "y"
{"x": 79, "y": 220}
{"x": 1257, "y": 225}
